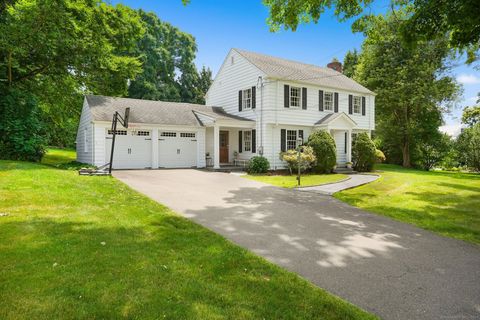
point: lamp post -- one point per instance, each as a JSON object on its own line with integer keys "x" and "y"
{"x": 299, "y": 158}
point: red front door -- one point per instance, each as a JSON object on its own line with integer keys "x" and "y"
{"x": 223, "y": 146}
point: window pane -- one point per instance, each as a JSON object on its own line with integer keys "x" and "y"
{"x": 247, "y": 99}
{"x": 291, "y": 139}
{"x": 295, "y": 96}
{"x": 247, "y": 140}
{"x": 328, "y": 101}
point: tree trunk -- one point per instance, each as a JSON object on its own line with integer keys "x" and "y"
{"x": 406, "y": 154}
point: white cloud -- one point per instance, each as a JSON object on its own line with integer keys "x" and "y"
{"x": 468, "y": 79}
{"x": 452, "y": 130}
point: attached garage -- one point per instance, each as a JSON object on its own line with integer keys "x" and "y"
{"x": 177, "y": 149}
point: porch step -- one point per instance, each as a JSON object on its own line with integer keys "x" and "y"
{"x": 344, "y": 170}
{"x": 227, "y": 169}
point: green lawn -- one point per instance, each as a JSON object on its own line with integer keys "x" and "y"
{"x": 444, "y": 202}
{"x": 291, "y": 181}
{"x": 56, "y": 156}
{"x": 82, "y": 247}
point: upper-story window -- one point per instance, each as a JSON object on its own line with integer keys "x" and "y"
{"x": 328, "y": 101}
{"x": 247, "y": 99}
{"x": 295, "y": 96}
{"x": 357, "y": 104}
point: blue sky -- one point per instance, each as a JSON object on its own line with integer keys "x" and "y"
{"x": 220, "y": 25}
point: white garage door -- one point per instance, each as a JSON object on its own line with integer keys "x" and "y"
{"x": 177, "y": 149}
{"x": 133, "y": 149}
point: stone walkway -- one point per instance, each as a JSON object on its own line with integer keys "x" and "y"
{"x": 354, "y": 181}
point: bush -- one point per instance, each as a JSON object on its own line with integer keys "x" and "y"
{"x": 363, "y": 153}
{"x": 324, "y": 150}
{"x": 21, "y": 132}
{"x": 467, "y": 146}
{"x": 379, "y": 156}
{"x": 307, "y": 158}
{"x": 431, "y": 154}
{"x": 258, "y": 164}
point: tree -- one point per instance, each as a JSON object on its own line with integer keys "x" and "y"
{"x": 324, "y": 149}
{"x": 433, "y": 152}
{"x": 427, "y": 19}
{"x": 169, "y": 72}
{"x": 468, "y": 147}
{"x": 471, "y": 115}
{"x": 57, "y": 50}
{"x": 350, "y": 63}
{"x": 413, "y": 86}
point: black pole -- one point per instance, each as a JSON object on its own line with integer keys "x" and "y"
{"x": 114, "y": 126}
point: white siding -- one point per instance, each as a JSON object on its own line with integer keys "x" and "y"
{"x": 277, "y": 113}
{"x": 85, "y": 127}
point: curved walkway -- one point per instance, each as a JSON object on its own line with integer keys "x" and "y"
{"x": 354, "y": 181}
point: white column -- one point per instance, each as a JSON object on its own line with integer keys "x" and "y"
{"x": 154, "y": 148}
{"x": 216, "y": 147}
{"x": 349, "y": 146}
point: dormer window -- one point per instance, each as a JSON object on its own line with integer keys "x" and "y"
{"x": 247, "y": 99}
{"x": 295, "y": 97}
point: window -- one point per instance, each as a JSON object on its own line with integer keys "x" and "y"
{"x": 143, "y": 133}
{"x": 291, "y": 139}
{"x": 118, "y": 132}
{"x": 232, "y": 60}
{"x": 295, "y": 96}
{"x": 247, "y": 99}
{"x": 168, "y": 134}
{"x": 328, "y": 101}
{"x": 357, "y": 104}
{"x": 247, "y": 140}
{"x": 187, "y": 134}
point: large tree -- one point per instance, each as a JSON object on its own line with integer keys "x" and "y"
{"x": 56, "y": 50}
{"x": 350, "y": 62}
{"x": 169, "y": 72}
{"x": 413, "y": 86}
{"x": 427, "y": 19}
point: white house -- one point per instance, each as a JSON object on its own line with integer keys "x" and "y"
{"x": 257, "y": 105}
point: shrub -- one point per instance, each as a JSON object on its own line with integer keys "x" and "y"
{"x": 324, "y": 150}
{"x": 363, "y": 153}
{"x": 21, "y": 132}
{"x": 379, "y": 156}
{"x": 258, "y": 164}
{"x": 307, "y": 158}
{"x": 468, "y": 147}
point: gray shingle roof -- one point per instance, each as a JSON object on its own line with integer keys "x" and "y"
{"x": 154, "y": 112}
{"x": 279, "y": 68}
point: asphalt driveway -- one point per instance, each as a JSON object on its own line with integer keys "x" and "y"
{"x": 394, "y": 270}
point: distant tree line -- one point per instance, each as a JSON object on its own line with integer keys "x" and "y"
{"x": 52, "y": 52}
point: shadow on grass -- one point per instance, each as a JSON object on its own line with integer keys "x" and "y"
{"x": 167, "y": 267}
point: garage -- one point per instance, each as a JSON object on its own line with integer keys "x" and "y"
{"x": 133, "y": 149}
{"x": 177, "y": 149}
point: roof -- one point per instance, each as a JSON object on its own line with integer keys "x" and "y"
{"x": 154, "y": 112}
{"x": 329, "y": 118}
{"x": 279, "y": 68}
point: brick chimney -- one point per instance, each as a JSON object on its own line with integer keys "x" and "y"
{"x": 335, "y": 65}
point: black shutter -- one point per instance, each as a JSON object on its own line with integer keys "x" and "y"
{"x": 300, "y": 135}
{"x": 336, "y": 101}
{"x": 240, "y": 140}
{"x": 286, "y": 96}
{"x": 254, "y": 141}
{"x": 363, "y": 106}
{"x": 304, "y": 98}
{"x": 283, "y": 140}
{"x": 320, "y": 100}
{"x": 350, "y": 104}
{"x": 345, "y": 145}
{"x": 240, "y": 100}
{"x": 254, "y": 97}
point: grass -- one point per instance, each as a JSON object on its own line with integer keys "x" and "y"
{"x": 81, "y": 247}
{"x": 447, "y": 203}
{"x": 55, "y": 156}
{"x": 287, "y": 181}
